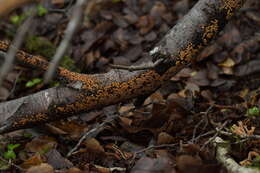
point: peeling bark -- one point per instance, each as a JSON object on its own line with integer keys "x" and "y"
{"x": 83, "y": 92}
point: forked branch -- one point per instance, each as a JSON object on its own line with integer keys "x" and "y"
{"x": 83, "y": 92}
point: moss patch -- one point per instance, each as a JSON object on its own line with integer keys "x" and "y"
{"x": 41, "y": 46}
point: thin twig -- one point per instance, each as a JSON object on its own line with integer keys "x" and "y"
{"x": 201, "y": 121}
{"x": 69, "y": 32}
{"x": 90, "y": 134}
{"x": 243, "y": 137}
{"x": 156, "y": 146}
{"x": 195, "y": 130}
{"x": 15, "y": 82}
{"x": 216, "y": 134}
{"x": 17, "y": 42}
{"x": 205, "y": 134}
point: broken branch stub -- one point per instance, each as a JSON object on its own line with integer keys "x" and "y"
{"x": 83, "y": 92}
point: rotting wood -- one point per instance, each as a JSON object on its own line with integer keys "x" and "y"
{"x": 83, "y": 92}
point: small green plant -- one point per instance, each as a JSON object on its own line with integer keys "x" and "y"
{"x": 41, "y": 11}
{"x": 33, "y": 82}
{"x": 40, "y": 46}
{"x": 17, "y": 19}
{"x": 10, "y": 154}
{"x": 253, "y": 112}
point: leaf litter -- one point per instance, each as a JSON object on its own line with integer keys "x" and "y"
{"x": 172, "y": 131}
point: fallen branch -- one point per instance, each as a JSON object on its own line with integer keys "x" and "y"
{"x": 82, "y": 92}
{"x": 223, "y": 157}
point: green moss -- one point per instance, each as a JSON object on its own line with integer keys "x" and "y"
{"x": 41, "y": 11}
{"x": 69, "y": 63}
{"x": 41, "y": 46}
{"x": 18, "y": 19}
{"x": 33, "y": 82}
{"x": 253, "y": 112}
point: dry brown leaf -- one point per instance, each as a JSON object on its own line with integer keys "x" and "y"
{"x": 41, "y": 144}
{"x": 73, "y": 129}
{"x": 145, "y": 24}
{"x": 248, "y": 161}
{"x": 125, "y": 121}
{"x": 56, "y": 160}
{"x": 186, "y": 163}
{"x": 164, "y": 138}
{"x": 93, "y": 144}
{"x": 125, "y": 109}
{"x": 74, "y": 170}
{"x": 33, "y": 161}
{"x": 42, "y": 168}
{"x": 242, "y": 129}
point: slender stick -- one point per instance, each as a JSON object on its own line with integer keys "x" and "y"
{"x": 69, "y": 32}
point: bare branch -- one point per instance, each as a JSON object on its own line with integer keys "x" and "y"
{"x": 18, "y": 40}
{"x": 70, "y": 30}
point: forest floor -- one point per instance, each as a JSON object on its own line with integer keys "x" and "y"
{"x": 175, "y": 128}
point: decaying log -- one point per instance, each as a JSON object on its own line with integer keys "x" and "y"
{"x": 82, "y": 92}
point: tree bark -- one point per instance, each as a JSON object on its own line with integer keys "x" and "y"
{"x": 83, "y": 92}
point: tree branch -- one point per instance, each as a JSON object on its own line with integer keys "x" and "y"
{"x": 69, "y": 32}
{"x": 87, "y": 92}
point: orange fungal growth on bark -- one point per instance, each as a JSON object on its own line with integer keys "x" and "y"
{"x": 36, "y": 118}
{"x": 187, "y": 53}
{"x": 210, "y": 31}
{"x": 231, "y": 5}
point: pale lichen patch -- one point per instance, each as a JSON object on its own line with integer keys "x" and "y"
{"x": 154, "y": 51}
{"x": 48, "y": 99}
